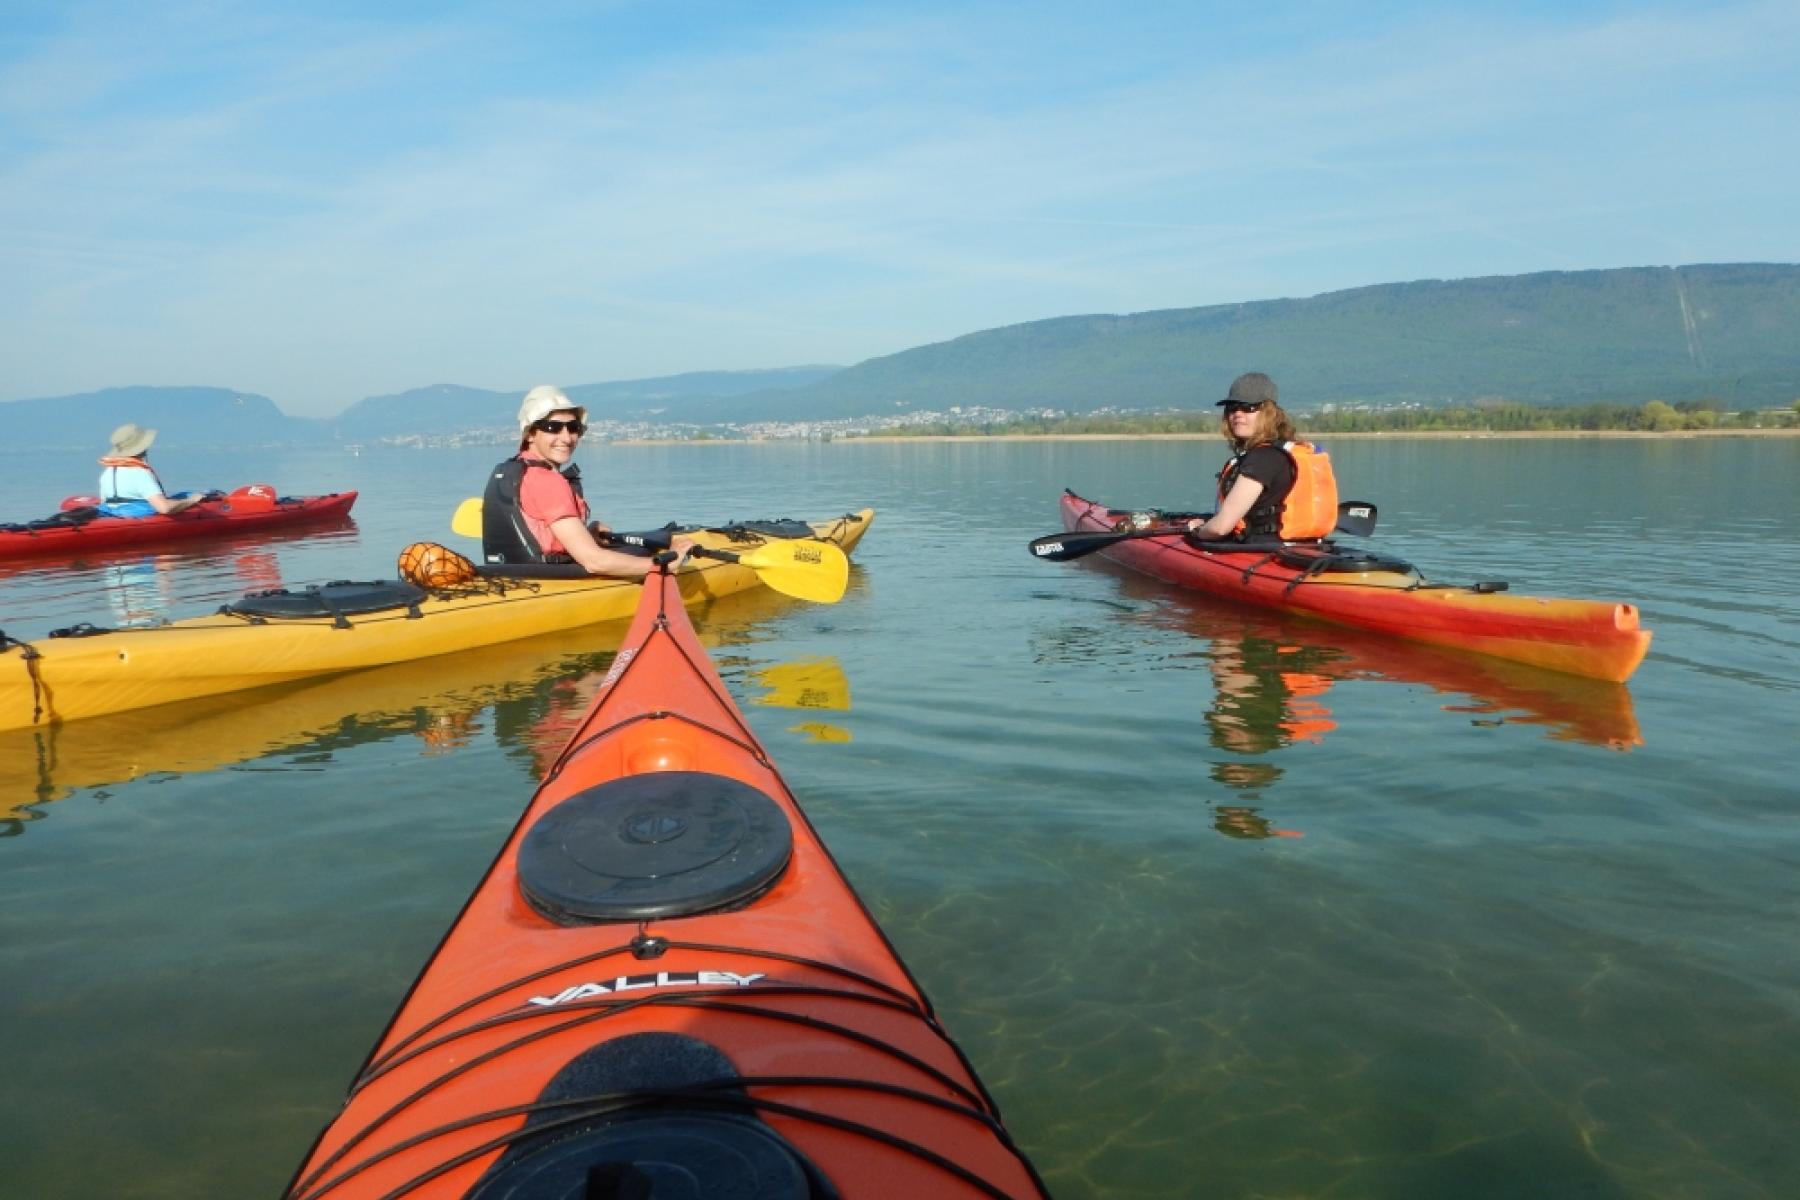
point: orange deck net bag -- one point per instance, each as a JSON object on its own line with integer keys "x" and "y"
{"x": 429, "y": 565}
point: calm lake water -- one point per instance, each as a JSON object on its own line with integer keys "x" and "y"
{"x": 1220, "y": 905}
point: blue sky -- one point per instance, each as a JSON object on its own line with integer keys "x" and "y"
{"x": 324, "y": 201}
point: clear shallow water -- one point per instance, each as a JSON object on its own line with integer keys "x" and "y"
{"x": 1219, "y": 904}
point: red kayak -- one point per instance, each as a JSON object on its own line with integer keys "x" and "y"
{"x": 1598, "y": 639}
{"x": 664, "y": 986}
{"x": 247, "y": 510}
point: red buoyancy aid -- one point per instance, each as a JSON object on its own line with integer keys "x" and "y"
{"x": 1310, "y": 508}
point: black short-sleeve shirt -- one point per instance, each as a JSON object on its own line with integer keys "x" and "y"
{"x": 1271, "y": 467}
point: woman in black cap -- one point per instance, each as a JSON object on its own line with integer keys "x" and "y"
{"x": 1275, "y": 486}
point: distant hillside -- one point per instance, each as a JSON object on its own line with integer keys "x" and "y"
{"x": 1728, "y": 332}
{"x": 1678, "y": 334}
{"x": 187, "y": 416}
{"x": 439, "y": 408}
{"x": 453, "y": 408}
{"x": 209, "y": 417}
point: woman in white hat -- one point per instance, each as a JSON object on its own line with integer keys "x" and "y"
{"x": 128, "y": 484}
{"x": 534, "y": 511}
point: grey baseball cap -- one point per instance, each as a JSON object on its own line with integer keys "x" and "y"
{"x": 1251, "y": 388}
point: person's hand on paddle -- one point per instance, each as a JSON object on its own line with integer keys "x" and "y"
{"x": 682, "y": 546}
{"x": 1232, "y": 510}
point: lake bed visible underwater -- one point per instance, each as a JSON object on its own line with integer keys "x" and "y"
{"x": 1219, "y": 904}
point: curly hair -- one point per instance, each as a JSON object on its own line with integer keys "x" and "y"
{"x": 1272, "y": 425}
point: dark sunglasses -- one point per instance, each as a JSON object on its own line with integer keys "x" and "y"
{"x": 574, "y": 427}
{"x": 1238, "y": 408}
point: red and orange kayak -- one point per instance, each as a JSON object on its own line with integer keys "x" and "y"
{"x": 1592, "y": 638}
{"x": 665, "y": 986}
{"x": 244, "y": 511}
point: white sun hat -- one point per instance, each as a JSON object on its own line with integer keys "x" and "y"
{"x": 543, "y": 400}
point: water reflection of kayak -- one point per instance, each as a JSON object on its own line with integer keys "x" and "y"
{"x": 248, "y": 555}
{"x": 427, "y": 699}
{"x": 1272, "y": 677}
{"x": 664, "y": 985}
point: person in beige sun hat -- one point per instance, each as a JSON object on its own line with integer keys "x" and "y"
{"x": 128, "y": 481}
{"x": 534, "y": 511}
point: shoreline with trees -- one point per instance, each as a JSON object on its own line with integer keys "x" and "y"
{"x": 1654, "y": 418}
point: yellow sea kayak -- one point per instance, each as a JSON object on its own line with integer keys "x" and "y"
{"x": 72, "y": 677}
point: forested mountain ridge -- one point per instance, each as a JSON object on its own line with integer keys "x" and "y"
{"x": 1728, "y": 333}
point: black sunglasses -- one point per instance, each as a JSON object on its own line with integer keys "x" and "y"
{"x": 1238, "y": 408}
{"x": 574, "y": 427}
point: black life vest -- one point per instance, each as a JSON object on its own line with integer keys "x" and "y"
{"x": 506, "y": 536}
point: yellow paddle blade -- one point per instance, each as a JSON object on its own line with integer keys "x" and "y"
{"x": 467, "y": 520}
{"x": 812, "y": 683}
{"x": 816, "y": 571}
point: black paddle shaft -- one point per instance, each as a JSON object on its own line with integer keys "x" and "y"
{"x": 1355, "y": 518}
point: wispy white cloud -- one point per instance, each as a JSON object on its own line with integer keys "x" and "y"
{"x": 322, "y": 207}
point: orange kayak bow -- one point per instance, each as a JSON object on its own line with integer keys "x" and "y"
{"x": 664, "y": 986}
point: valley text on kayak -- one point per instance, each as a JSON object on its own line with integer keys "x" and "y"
{"x": 639, "y": 983}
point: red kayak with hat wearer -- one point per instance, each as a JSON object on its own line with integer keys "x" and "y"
{"x": 1274, "y": 486}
